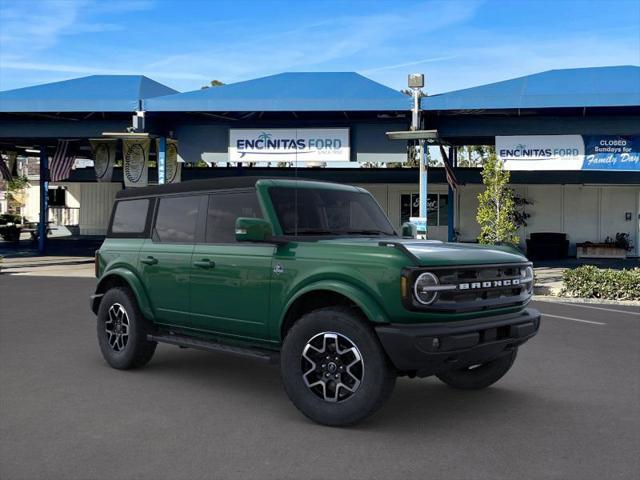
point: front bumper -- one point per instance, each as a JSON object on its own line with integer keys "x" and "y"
{"x": 426, "y": 349}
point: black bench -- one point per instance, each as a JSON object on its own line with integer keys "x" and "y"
{"x": 547, "y": 246}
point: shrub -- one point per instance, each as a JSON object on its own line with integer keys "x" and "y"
{"x": 588, "y": 281}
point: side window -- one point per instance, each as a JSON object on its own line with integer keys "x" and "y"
{"x": 224, "y": 209}
{"x": 130, "y": 216}
{"x": 176, "y": 219}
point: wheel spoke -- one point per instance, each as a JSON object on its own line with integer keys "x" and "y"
{"x": 327, "y": 361}
{"x": 116, "y": 327}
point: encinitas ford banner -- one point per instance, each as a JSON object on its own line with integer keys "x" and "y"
{"x": 289, "y": 145}
{"x": 569, "y": 152}
{"x": 541, "y": 152}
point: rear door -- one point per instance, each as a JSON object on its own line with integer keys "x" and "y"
{"x": 230, "y": 281}
{"x": 165, "y": 258}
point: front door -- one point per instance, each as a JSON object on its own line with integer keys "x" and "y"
{"x": 230, "y": 281}
{"x": 165, "y": 259}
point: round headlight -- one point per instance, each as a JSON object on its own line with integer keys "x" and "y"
{"x": 526, "y": 277}
{"x": 424, "y": 290}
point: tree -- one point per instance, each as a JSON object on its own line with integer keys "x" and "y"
{"x": 16, "y": 189}
{"x": 496, "y": 209}
{"x": 213, "y": 83}
{"x": 474, "y": 155}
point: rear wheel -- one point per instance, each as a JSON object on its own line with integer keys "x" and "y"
{"x": 122, "y": 331}
{"x": 477, "y": 377}
{"x": 333, "y": 367}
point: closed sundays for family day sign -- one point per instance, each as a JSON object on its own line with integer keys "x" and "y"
{"x": 289, "y": 145}
{"x": 569, "y": 152}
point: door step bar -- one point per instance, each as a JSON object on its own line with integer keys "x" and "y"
{"x": 184, "y": 341}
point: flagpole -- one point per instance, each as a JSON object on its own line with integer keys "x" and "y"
{"x": 44, "y": 200}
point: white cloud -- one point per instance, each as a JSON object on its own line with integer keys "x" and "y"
{"x": 30, "y": 27}
{"x": 90, "y": 70}
{"x": 408, "y": 64}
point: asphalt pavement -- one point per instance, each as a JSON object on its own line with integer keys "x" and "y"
{"x": 569, "y": 408}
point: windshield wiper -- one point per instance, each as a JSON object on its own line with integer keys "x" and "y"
{"x": 320, "y": 231}
{"x": 317, "y": 231}
{"x": 367, "y": 232}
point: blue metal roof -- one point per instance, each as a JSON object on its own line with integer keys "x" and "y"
{"x": 576, "y": 87}
{"x": 96, "y": 93}
{"x": 297, "y": 92}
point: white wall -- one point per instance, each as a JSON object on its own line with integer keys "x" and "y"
{"x": 583, "y": 212}
{"x": 96, "y": 201}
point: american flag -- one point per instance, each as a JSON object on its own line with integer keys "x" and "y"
{"x": 448, "y": 169}
{"x": 62, "y": 161}
{"x": 4, "y": 170}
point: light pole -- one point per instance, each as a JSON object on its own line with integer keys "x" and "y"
{"x": 416, "y": 83}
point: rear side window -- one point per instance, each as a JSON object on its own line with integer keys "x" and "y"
{"x": 224, "y": 209}
{"x": 177, "y": 219}
{"x": 130, "y": 216}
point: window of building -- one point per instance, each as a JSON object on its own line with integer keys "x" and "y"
{"x": 224, "y": 209}
{"x": 437, "y": 211}
{"x": 177, "y": 219}
{"x": 57, "y": 197}
{"x": 130, "y": 216}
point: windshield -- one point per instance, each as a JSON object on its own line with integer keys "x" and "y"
{"x": 318, "y": 211}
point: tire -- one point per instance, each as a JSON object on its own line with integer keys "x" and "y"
{"x": 364, "y": 385}
{"x": 121, "y": 350}
{"x": 481, "y": 376}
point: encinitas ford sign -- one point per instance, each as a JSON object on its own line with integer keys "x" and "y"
{"x": 289, "y": 145}
{"x": 541, "y": 152}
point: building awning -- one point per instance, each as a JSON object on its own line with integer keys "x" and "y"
{"x": 288, "y": 92}
{"x": 96, "y": 93}
{"x": 617, "y": 86}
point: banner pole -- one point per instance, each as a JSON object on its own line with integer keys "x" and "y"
{"x": 162, "y": 160}
{"x": 453, "y": 157}
{"x": 44, "y": 200}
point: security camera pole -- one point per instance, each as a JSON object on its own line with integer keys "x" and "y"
{"x": 416, "y": 83}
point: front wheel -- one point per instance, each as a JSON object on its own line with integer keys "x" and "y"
{"x": 333, "y": 367}
{"x": 122, "y": 331}
{"x": 477, "y": 377}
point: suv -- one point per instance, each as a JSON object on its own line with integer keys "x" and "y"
{"x": 312, "y": 275}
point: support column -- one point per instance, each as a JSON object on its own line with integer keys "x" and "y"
{"x": 423, "y": 185}
{"x": 451, "y": 211}
{"x": 44, "y": 200}
{"x": 162, "y": 160}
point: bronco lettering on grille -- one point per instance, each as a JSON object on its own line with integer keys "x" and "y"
{"x": 512, "y": 282}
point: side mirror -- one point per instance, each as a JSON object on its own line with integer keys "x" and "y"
{"x": 252, "y": 230}
{"x": 409, "y": 230}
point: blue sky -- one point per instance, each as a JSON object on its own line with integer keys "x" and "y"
{"x": 184, "y": 44}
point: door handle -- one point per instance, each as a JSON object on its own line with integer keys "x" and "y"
{"x": 204, "y": 263}
{"x": 149, "y": 260}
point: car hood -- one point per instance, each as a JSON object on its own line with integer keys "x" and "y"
{"x": 436, "y": 253}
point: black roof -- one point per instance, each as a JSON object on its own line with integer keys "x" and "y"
{"x": 200, "y": 185}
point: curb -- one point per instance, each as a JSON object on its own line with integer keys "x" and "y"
{"x": 598, "y": 301}
{"x": 42, "y": 265}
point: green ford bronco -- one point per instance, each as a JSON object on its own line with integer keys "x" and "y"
{"x": 311, "y": 275}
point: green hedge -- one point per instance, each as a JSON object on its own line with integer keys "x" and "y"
{"x": 588, "y": 281}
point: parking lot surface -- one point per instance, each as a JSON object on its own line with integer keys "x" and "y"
{"x": 568, "y": 409}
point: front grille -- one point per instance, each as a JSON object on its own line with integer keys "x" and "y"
{"x": 478, "y": 287}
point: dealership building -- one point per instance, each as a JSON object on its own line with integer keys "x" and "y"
{"x": 571, "y": 139}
